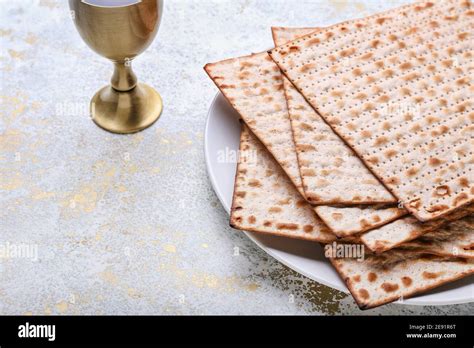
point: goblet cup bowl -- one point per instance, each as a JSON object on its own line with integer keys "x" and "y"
{"x": 120, "y": 30}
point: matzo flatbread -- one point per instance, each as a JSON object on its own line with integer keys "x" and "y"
{"x": 274, "y": 129}
{"x": 266, "y": 201}
{"x": 348, "y": 221}
{"x": 331, "y": 173}
{"x": 316, "y": 151}
{"x": 407, "y": 229}
{"x": 253, "y": 85}
{"x": 381, "y": 279}
{"x": 254, "y": 173}
{"x": 455, "y": 239}
{"x": 397, "y": 87}
{"x": 283, "y": 35}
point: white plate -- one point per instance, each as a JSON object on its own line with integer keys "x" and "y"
{"x": 222, "y": 139}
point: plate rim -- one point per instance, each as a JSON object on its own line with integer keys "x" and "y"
{"x": 417, "y": 301}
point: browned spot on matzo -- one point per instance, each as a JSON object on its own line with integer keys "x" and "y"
{"x": 372, "y": 277}
{"x": 389, "y": 287}
{"x": 364, "y": 294}
{"x": 407, "y": 281}
{"x": 430, "y": 275}
{"x": 255, "y": 183}
{"x": 443, "y": 190}
{"x": 287, "y": 226}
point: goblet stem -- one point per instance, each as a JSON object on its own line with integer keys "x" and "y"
{"x": 123, "y": 79}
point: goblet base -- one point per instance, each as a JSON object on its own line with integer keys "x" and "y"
{"x": 126, "y": 112}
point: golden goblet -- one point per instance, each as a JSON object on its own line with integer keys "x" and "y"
{"x": 120, "y": 30}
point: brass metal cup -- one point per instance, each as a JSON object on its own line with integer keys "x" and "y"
{"x": 120, "y": 30}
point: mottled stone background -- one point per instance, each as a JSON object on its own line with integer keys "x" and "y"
{"x": 130, "y": 224}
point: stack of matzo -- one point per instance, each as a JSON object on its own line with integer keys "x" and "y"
{"x": 366, "y": 137}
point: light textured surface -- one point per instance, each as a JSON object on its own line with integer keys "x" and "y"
{"x": 130, "y": 224}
